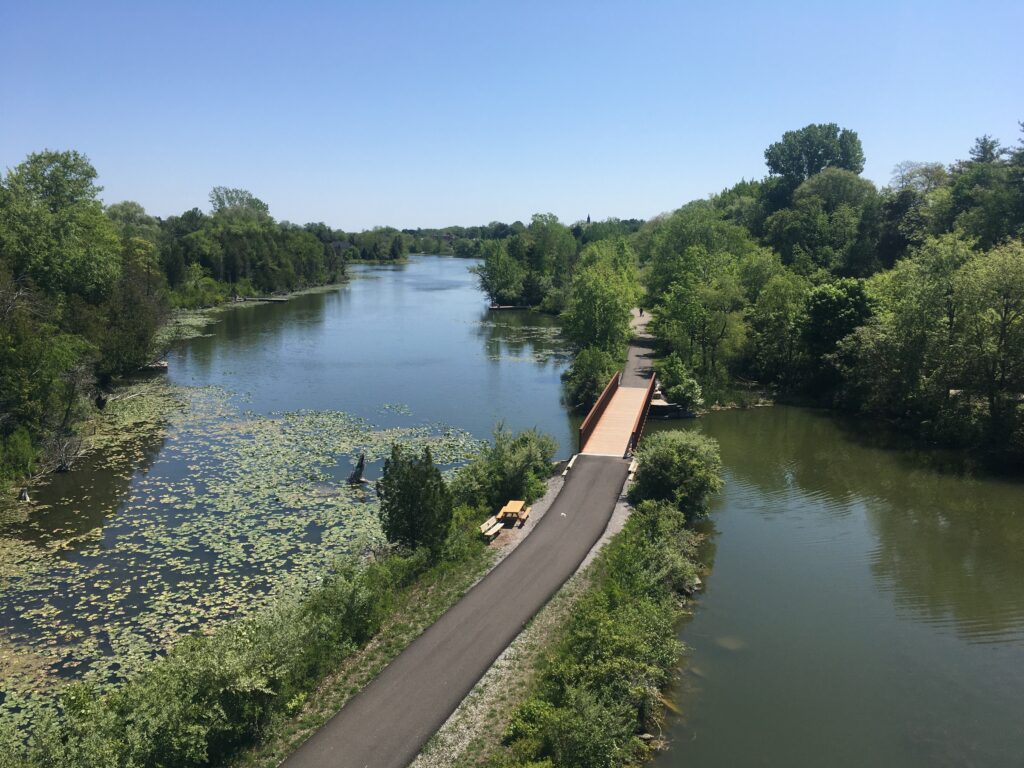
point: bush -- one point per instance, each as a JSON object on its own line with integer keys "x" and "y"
{"x": 17, "y": 456}
{"x": 678, "y": 384}
{"x": 680, "y": 467}
{"x": 601, "y": 683}
{"x": 587, "y": 377}
{"x": 514, "y": 467}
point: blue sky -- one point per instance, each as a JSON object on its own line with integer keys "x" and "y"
{"x": 434, "y": 113}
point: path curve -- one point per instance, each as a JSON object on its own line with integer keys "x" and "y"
{"x": 387, "y": 723}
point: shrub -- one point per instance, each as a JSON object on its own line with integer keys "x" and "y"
{"x": 600, "y": 684}
{"x": 514, "y": 467}
{"x": 678, "y": 383}
{"x": 681, "y": 467}
{"x": 587, "y": 377}
{"x": 17, "y": 456}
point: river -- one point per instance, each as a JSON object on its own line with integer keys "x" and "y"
{"x": 863, "y": 607}
{"x": 230, "y": 486}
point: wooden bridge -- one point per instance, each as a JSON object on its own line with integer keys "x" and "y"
{"x": 615, "y": 423}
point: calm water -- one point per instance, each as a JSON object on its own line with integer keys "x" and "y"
{"x": 213, "y": 511}
{"x": 418, "y": 334}
{"x": 862, "y": 609}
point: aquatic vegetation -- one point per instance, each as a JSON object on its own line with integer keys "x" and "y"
{"x": 234, "y": 509}
{"x": 185, "y": 324}
{"x": 512, "y": 340}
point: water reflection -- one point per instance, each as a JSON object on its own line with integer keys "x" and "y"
{"x": 521, "y": 335}
{"x": 948, "y": 546}
{"x": 865, "y": 607}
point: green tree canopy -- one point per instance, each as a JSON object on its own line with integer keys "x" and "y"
{"x": 604, "y": 290}
{"x": 415, "y": 503}
{"x": 803, "y": 153}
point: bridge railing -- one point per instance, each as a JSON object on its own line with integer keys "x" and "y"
{"x": 590, "y": 423}
{"x": 641, "y": 418}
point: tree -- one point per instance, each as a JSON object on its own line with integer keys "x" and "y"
{"x": 808, "y": 151}
{"x": 586, "y": 378}
{"x": 415, "y": 503}
{"x": 992, "y": 288}
{"x": 604, "y": 291}
{"x": 52, "y": 227}
{"x": 512, "y": 467}
{"x": 131, "y": 220}
{"x": 397, "y": 249}
{"x": 831, "y": 312}
{"x": 833, "y": 221}
{"x": 681, "y": 467}
{"x": 678, "y": 383}
{"x": 500, "y": 275}
{"x": 775, "y": 323}
{"x": 238, "y": 202}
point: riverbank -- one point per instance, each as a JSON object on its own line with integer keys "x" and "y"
{"x": 582, "y": 685}
{"x": 422, "y": 604}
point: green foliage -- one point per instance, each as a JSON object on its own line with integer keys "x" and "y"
{"x": 17, "y": 454}
{"x": 678, "y": 384}
{"x": 833, "y": 223}
{"x": 500, "y": 275}
{"x": 586, "y": 378}
{"x": 415, "y": 503}
{"x": 801, "y": 154}
{"x": 604, "y": 291}
{"x": 831, "y": 312}
{"x": 680, "y": 467}
{"x": 53, "y": 229}
{"x": 600, "y": 685}
{"x": 214, "y": 695}
{"x": 513, "y": 467}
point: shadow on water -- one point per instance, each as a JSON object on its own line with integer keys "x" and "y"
{"x": 948, "y": 543}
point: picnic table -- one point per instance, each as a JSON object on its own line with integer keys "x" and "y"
{"x": 515, "y": 511}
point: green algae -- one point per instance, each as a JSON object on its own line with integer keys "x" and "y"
{"x": 222, "y": 511}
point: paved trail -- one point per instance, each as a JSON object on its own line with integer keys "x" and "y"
{"x": 389, "y": 721}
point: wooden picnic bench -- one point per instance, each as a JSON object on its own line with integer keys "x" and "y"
{"x": 491, "y": 528}
{"x": 515, "y": 511}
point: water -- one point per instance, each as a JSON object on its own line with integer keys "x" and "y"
{"x": 239, "y": 491}
{"x": 418, "y": 334}
{"x": 863, "y": 608}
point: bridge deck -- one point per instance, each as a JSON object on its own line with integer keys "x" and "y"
{"x": 612, "y": 433}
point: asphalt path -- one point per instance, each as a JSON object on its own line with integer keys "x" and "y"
{"x": 388, "y": 722}
{"x": 638, "y": 370}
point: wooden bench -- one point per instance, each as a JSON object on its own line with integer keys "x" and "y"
{"x": 491, "y": 528}
{"x": 523, "y": 515}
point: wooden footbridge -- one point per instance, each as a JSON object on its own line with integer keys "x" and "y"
{"x": 615, "y": 423}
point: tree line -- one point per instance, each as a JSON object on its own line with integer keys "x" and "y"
{"x": 85, "y": 287}
{"x": 904, "y": 303}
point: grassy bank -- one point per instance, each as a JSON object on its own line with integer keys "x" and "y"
{"x": 588, "y": 692}
{"x": 253, "y": 688}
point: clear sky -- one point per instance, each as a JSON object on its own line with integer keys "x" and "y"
{"x": 435, "y": 113}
